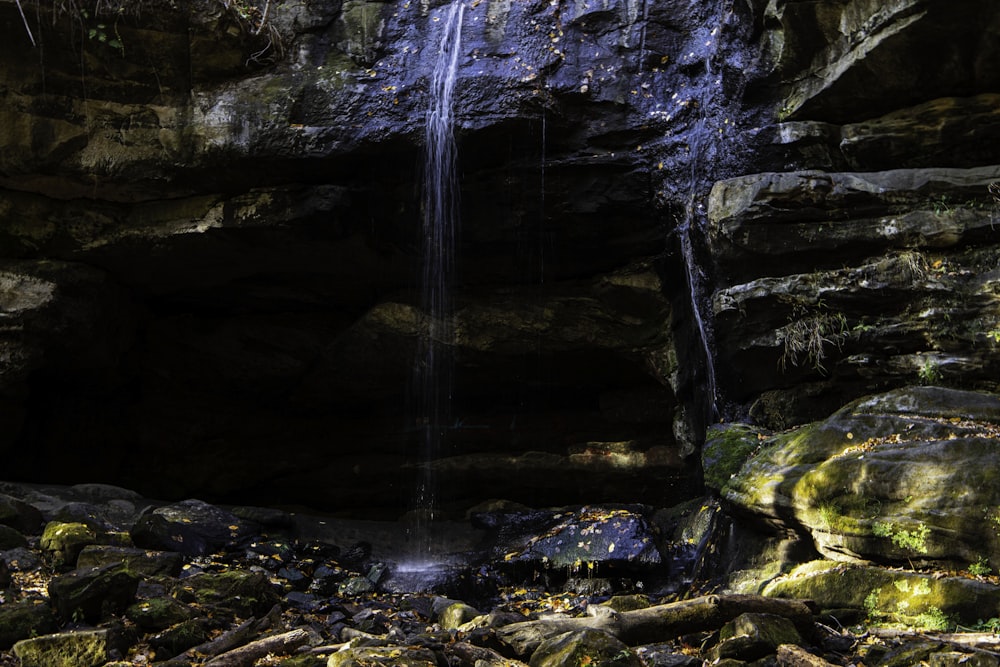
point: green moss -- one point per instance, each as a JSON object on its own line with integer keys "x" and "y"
{"x": 725, "y": 451}
{"x": 830, "y": 516}
{"x": 303, "y": 661}
{"x": 889, "y": 596}
{"x": 377, "y": 656}
{"x": 158, "y": 613}
{"x": 243, "y": 592}
{"x": 586, "y": 647}
{"x": 65, "y": 541}
{"x": 361, "y": 28}
{"x": 66, "y": 649}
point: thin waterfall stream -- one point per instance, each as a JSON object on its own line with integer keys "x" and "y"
{"x": 705, "y": 151}
{"x": 434, "y": 367}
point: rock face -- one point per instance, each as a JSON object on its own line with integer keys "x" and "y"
{"x": 210, "y": 232}
{"x": 863, "y": 257}
{"x": 212, "y": 229}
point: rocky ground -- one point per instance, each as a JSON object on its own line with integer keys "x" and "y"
{"x": 96, "y": 575}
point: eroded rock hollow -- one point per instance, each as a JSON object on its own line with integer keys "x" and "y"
{"x": 210, "y": 237}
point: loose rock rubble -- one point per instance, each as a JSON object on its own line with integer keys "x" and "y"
{"x": 95, "y": 576}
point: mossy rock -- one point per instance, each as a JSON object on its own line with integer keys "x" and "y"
{"x": 93, "y": 594}
{"x": 953, "y": 658}
{"x": 455, "y": 615}
{"x": 903, "y": 477}
{"x": 727, "y": 447}
{"x": 909, "y": 654}
{"x": 387, "y": 656}
{"x": 21, "y": 620}
{"x": 304, "y": 661}
{"x": 585, "y": 647}
{"x": 912, "y": 598}
{"x": 182, "y": 636}
{"x": 245, "y": 593}
{"x": 143, "y": 562}
{"x": 87, "y": 648}
{"x": 753, "y": 636}
{"x": 158, "y": 613}
{"x": 65, "y": 541}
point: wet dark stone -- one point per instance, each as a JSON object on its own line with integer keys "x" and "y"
{"x": 27, "y": 618}
{"x": 11, "y": 538}
{"x": 241, "y": 591}
{"x": 145, "y": 562}
{"x": 159, "y": 613}
{"x": 20, "y": 515}
{"x": 182, "y": 636}
{"x": 191, "y": 527}
{"x": 93, "y": 594}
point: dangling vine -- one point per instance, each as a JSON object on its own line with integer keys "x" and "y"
{"x": 253, "y": 20}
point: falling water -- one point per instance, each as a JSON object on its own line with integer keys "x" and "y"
{"x": 434, "y": 383}
{"x": 704, "y": 146}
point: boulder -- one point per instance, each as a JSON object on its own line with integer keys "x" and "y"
{"x": 81, "y": 648}
{"x": 900, "y": 477}
{"x": 182, "y": 636}
{"x": 158, "y": 613}
{"x": 726, "y": 448}
{"x": 665, "y": 655}
{"x": 923, "y": 600}
{"x": 377, "y": 656}
{"x": 145, "y": 562}
{"x": 191, "y": 527}
{"x": 93, "y": 595}
{"x": 583, "y": 647}
{"x": 239, "y": 591}
{"x": 24, "y": 619}
{"x": 65, "y": 541}
{"x": 591, "y": 537}
{"x": 752, "y": 636}
{"x": 456, "y": 614}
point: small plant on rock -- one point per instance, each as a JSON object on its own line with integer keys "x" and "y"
{"x": 990, "y": 625}
{"x": 929, "y": 373}
{"x": 935, "y": 620}
{"x": 871, "y": 604}
{"x": 981, "y": 568}
{"x": 805, "y": 339}
{"x": 910, "y": 540}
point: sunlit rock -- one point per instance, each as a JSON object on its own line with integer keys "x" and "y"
{"x": 886, "y": 595}
{"x": 901, "y": 477}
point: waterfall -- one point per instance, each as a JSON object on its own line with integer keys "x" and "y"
{"x": 706, "y": 148}
{"x": 434, "y": 367}
{"x": 691, "y": 271}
